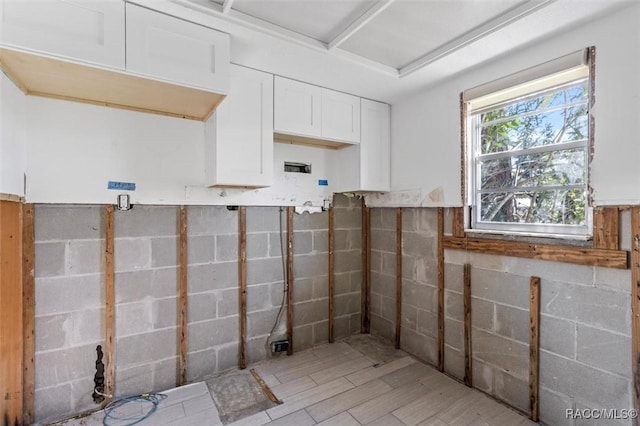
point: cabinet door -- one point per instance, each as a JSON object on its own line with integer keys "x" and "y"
{"x": 175, "y": 50}
{"x": 83, "y": 30}
{"x": 340, "y": 116}
{"x": 375, "y": 147}
{"x": 242, "y": 137}
{"x": 297, "y": 108}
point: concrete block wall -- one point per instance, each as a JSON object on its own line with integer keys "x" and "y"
{"x": 70, "y": 293}
{"x": 383, "y": 271}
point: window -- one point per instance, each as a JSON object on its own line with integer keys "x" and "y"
{"x": 528, "y": 139}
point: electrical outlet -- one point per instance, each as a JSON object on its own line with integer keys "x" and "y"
{"x": 280, "y": 346}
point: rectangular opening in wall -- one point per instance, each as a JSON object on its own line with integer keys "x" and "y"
{"x": 295, "y": 167}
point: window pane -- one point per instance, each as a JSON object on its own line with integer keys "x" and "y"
{"x": 544, "y": 207}
{"x": 551, "y": 168}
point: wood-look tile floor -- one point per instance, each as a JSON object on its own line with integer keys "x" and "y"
{"x": 360, "y": 381}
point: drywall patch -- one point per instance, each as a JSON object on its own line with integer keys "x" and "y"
{"x": 437, "y": 195}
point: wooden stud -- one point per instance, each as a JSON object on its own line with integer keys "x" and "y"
{"x": 440, "y": 289}
{"x": 457, "y": 222}
{"x": 398, "y": 275}
{"x": 110, "y": 306}
{"x": 331, "y": 271}
{"x": 182, "y": 363}
{"x": 468, "y": 359}
{"x": 28, "y": 312}
{"x": 265, "y": 387}
{"x": 606, "y": 226}
{"x": 558, "y": 253}
{"x": 635, "y": 305}
{"x": 11, "y": 315}
{"x": 364, "y": 296}
{"x": 242, "y": 275}
{"x": 534, "y": 347}
{"x": 290, "y": 279}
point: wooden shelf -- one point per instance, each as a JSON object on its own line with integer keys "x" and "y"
{"x": 304, "y": 140}
{"x": 54, "y": 78}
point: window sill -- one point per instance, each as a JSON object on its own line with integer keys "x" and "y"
{"x": 531, "y": 237}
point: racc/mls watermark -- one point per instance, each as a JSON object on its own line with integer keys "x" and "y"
{"x": 601, "y": 413}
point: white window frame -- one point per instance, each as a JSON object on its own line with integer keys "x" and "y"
{"x": 552, "y": 75}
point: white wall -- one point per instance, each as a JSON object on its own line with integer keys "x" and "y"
{"x": 425, "y": 161}
{"x": 75, "y": 149}
{"x": 12, "y": 138}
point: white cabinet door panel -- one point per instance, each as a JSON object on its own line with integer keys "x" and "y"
{"x": 88, "y": 31}
{"x": 340, "y": 116}
{"x": 297, "y": 108}
{"x": 375, "y": 149}
{"x": 176, "y": 50}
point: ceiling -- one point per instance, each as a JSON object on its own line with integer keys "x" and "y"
{"x": 408, "y": 43}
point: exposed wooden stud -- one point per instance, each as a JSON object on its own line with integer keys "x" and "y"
{"x": 331, "y": 271}
{"x": 290, "y": 279}
{"x": 365, "y": 298}
{"x": 265, "y": 387}
{"x": 534, "y": 347}
{"x": 11, "y": 315}
{"x": 440, "y": 289}
{"x": 458, "y": 222}
{"x": 635, "y": 304}
{"x": 242, "y": 277}
{"x": 570, "y": 254}
{"x": 110, "y": 306}
{"x": 398, "y": 275}
{"x": 606, "y": 225}
{"x": 468, "y": 358}
{"x": 182, "y": 363}
{"x": 28, "y": 312}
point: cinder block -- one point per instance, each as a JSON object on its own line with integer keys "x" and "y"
{"x": 66, "y": 294}
{"x": 88, "y": 326}
{"x": 165, "y": 313}
{"x": 356, "y": 281}
{"x": 269, "y": 270}
{"x": 389, "y": 220}
{"x": 345, "y": 261}
{"x": 201, "y": 249}
{"x": 510, "y": 355}
{"x": 164, "y": 374}
{"x": 164, "y": 252}
{"x": 603, "y": 421}
{"x": 482, "y": 314}
{"x": 375, "y": 220}
{"x": 409, "y": 316}
{"x": 550, "y": 271}
{"x": 341, "y": 239}
{"x": 454, "y": 362}
{"x": 341, "y": 201}
{"x": 350, "y": 218}
{"x": 134, "y": 318}
{"x": 146, "y": 221}
{"x": 207, "y": 334}
{"x": 375, "y": 260}
{"x": 388, "y": 263}
{"x": 428, "y": 221}
{"x": 409, "y": 219}
{"x": 320, "y": 332}
{"x": 320, "y": 287}
{"x": 512, "y": 323}
{"x": 256, "y": 349}
{"x": 68, "y": 364}
{"x": 419, "y": 245}
{"x": 613, "y": 279}
{"x": 579, "y": 381}
{"x": 309, "y": 312}
{"x": 260, "y": 323}
{"x": 321, "y": 241}
{"x": 500, "y": 287}
{"x": 146, "y": 348}
{"x": 227, "y": 247}
{"x": 453, "y": 305}
{"x": 265, "y": 219}
{"x": 553, "y": 408}
{"x": 134, "y": 379}
{"x": 383, "y": 240}
{"x": 81, "y": 399}
{"x": 423, "y": 347}
{"x": 456, "y": 257}
{"x": 302, "y": 337}
{"x": 419, "y": 295}
{"x": 202, "y": 306}
{"x": 454, "y": 334}
{"x": 313, "y": 265}
{"x": 277, "y": 248}
{"x": 131, "y": 254}
{"x": 427, "y": 323}
{"x": 386, "y": 285}
{"x": 200, "y": 365}
{"x": 375, "y": 306}
{"x": 277, "y": 294}
{"x": 217, "y": 276}
{"x": 409, "y": 268}
{"x": 603, "y": 350}
{"x": 483, "y": 376}
{"x": 211, "y": 220}
{"x": 227, "y": 357}
{"x": 258, "y": 298}
{"x": 489, "y": 262}
{"x": 383, "y": 327}
{"x": 342, "y": 283}
{"x": 597, "y": 307}
{"x": 50, "y": 259}
{"x": 512, "y": 390}
{"x": 426, "y": 271}
{"x": 227, "y": 302}
{"x": 133, "y": 286}
{"x": 164, "y": 282}
{"x": 341, "y": 327}
{"x": 302, "y": 242}
{"x": 307, "y": 221}
{"x": 257, "y": 245}
{"x": 53, "y": 332}
{"x": 344, "y": 304}
{"x": 355, "y": 322}
{"x": 303, "y": 290}
{"x": 85, "y": 257}
{"x": 65, "y": 222}
{"x": 558, "y": 336}
{"x": 53, "y": 403}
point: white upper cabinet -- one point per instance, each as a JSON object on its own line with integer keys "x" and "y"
{"x": 172, "y": 49}
{"x": 375, "y": 147}
{"x": 239, "y": 136}
{"x": 298, "y": 108}
{"x": 84, "y": 30}
{"x": 340, "y": 116}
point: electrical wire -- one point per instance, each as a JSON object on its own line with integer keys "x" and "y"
{"x": 146, "y": 398}
{"x": 285, "y": 288}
